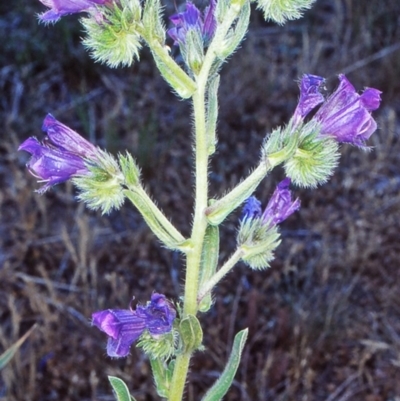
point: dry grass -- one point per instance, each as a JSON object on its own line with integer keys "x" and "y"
{"x": 324, "y": 320}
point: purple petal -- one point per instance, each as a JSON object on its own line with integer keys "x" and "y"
{"x": 51, "y": 165}
{"x": 251, "y": 209}
{"x": 346, "y": 115}
{"x": 123, "y": 326}
{"x": 371, "y": 99}
{"x": 59, "y": 8}
{"x": 190, "y": 19}
{"x": 65, "y": 138}
{"x": 280, "y": 206}
{"x": 310, "y": 97}
{"x": 159, "y": 314}
{"x": 210, "y": 23}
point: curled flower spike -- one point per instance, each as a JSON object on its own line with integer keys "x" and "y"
{"x": 60, "y": 156}
{"x": 125, "y": 326}
{"x": 191, "y": 19}
{"x": 346, "y": 115}
{"x": 60, "y": 8}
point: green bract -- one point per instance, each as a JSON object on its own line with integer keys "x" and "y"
{"x": 282, "y": 10}
{"x": 257, "y": 242}
{"x": 101, "y": 188}
{"x": 315, "y": 158}
{"x": 115, "y": 40}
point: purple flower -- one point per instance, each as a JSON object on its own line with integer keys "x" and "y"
{"x": 59, "y": 8}
{"x": 64, "y": 138}
{"x": 279, "y": 207}
{"x": 191, "y": 19}
{"x": 60, "y": 156}
{"x": 124, "y": 326}
{"x": 310, "y": 97}
{"x": 346, "y": 115}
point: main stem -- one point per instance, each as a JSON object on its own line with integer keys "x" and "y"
{"x": 198, "y": 232}
{"x": 201, "y": 192}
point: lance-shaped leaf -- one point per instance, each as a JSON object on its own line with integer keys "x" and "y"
{"x": 121, "y": 391}
{"x": 191, "y": 333}
{"x": 209, "y": 262}
{"x": 235, "y": 34}
{"x": 212, "y": 114}
{"x": 221, "y": 386}
{"x": 6, "y": 356}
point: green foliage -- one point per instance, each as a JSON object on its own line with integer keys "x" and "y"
{"x": 236, "y": 33}
{"x": 130, "y": 170}
{"x": 153, "y": 25}
{"x": 101, "y": 188}
{"x": 222, "y": 385}
{"x": 162, "y": 373}
{"x": 282, "y": 10}
{"x": 7, "y": 355}
{"x": 258, "y": 242}
{"x": 154, "y": 218}
{"x": 212, "y": 113}
{"x": 279, "y": 146}
{"x": 115, "y": 40}
{"x": 209, "y": 262}
{"x": 121, "y": 391}
{"x": 191, "y": 333}
{"x": 160, "y": 347}
{"x": 193, "y": 50}
{"x": 315, "y": 158}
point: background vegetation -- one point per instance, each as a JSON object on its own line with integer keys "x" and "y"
{"x": 324, "y": 320}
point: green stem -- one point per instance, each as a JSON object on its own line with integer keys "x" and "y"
{"x": 217, "y": 212}
{"x": 154, "y": 217}
{"x": 229, "y": 264}
{"x": 201, "y": 201}
{"x": 197, "y": 238}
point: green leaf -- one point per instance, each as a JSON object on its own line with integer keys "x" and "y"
{"x": 6, "y": 356}
{"x": 191, "y": 333}
{"x": 212, "y": 113}
{"x": 221, "y": 386}
{"x": 236, "y": 34}
{"x": 160, "y": 376}
{"x": 120, "y": 389}
{"x": 209, "y": 262}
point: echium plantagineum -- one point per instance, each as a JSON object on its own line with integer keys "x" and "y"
{"x": 307, "y": 148}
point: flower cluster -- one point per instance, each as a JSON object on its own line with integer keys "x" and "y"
{"x": 124, "y": 326}
{"x": 192, "y": 20}
{"x": 345, "y": 115}
{"x": 62, "y": 154}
